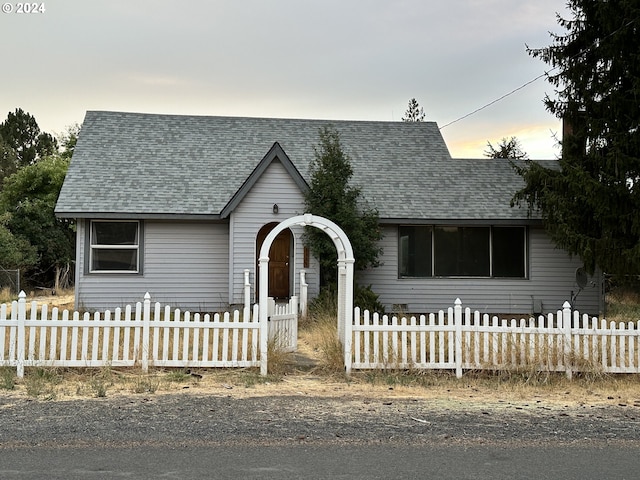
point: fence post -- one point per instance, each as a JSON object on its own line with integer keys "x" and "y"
{"x": 294, "y": 334}
{"x": 348, "y": 343}
{"x": 146, "y": 328}
{"x": 247, "y": 289}
{"x": 457, "y": 319}
{"x": 566, "y": 327}
{"x": 21, "y": 348}
{"x": 263, "y": 271}
{"x": 304, "y": 287}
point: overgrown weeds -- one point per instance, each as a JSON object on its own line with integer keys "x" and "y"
{"x": 623, "y": 305}
{"x": 42, "y": 382}
{"x": 321, "y": 332}
{"x": 7, "y": 378}
{"x": 95, "y": 383}
{"x": 6, "y": 296}
{"x": 278, "y": 360}
{"x": 393, "y": 377}
{"x": 145, "y": 383}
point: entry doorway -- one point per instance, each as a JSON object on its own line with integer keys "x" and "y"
{"x": 279, "y": 264}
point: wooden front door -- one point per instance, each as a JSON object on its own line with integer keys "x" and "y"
{"x": 278, "y": 261}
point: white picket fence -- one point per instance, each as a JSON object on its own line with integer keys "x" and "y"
{"x": 463, "y": 340}
{"x": 148, "y": 334}
{"x": 143, "y": 335}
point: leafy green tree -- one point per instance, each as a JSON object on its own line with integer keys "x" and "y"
{"x": 29, "y": 196}
{"x": 15, "y": 252}
{"x": 8, "y": 161}
{"x": 21, "y": 132}
{"x": 68, "y": 139}
{"x": 414, "y": 113}
{"x": 506, "y": 148}
{"x": 331, "y": 196}
{"x": 591, "y": 204}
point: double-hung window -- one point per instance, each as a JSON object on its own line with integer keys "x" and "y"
{"x": 462, "y": 251}
{"x": 115, "y": 246}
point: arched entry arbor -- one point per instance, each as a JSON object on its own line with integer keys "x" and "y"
{"x": 345, "y": 279}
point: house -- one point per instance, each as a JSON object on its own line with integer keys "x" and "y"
{"x": 179, "y": 205}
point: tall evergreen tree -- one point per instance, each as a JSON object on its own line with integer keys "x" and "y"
{"x": 331, "y": 196}
{"x": 21, "y": 132}
{"x": 506, "y": 148}
{"x": 591, "y": 204}
{"x": 414, "y": 112}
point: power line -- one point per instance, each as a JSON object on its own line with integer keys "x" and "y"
{"x": 594, "y": 44}
{"x": 499, "y": 99}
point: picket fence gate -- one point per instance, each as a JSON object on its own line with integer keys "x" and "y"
{"x": 283, "y": 324}
{"x": 142, "y": 335}
{"x": 463, "y": 340}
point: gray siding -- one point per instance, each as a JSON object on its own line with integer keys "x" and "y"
{"x": 185, "y": 265}
{"x": 275, "y": 186}
{"x": 551, "y": 281}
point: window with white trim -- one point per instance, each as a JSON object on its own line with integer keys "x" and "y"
{"x": 462, "y": 251}
{"x": 115, "y": 246}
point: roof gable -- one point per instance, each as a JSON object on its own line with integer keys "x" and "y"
{"x": 275, "y": 153}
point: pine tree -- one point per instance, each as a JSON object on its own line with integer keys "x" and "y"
{"x": 331, "y": 196}
{"x": 506, "y": 148}
{"x": 21, "y": 132}
{"x": 591, "y": 204}
{"x": 414, "y": 113}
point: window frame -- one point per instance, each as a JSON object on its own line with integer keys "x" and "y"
{"x": 490, "y": 252}
{"x": 92, "y": 247}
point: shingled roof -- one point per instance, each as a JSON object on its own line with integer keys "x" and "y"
{"x": 131, "y": 165}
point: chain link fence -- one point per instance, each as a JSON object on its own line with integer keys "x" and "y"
{"x": 10, "y": 279}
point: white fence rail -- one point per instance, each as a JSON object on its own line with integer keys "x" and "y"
{"x": 125, "y": 337}
{"x": 461, "y": 340}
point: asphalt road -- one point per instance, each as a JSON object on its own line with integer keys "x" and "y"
{"x": 194, "y": 436}
{"x": 323, "y": 461}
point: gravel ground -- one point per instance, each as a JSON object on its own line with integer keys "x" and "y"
{"x": 188, "y": 419}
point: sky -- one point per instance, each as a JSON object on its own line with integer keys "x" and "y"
{"x": 329, "y": 59}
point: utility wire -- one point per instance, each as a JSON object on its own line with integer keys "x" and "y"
{"x": 594, "y": 44}
{"x": 499, "y": 99}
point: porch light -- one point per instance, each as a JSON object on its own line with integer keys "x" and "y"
{"x": 275, "y": 208}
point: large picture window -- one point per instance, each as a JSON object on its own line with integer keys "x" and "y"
{"x": 508, "y": 252}
{"x": 415, "y": 251}
{"x": 115, "y": 246}
{"x": 455, "y": 251}
{"x": 461, "y": 252}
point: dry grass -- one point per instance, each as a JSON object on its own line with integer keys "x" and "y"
{"x": 623, "y": 305}
{"x": 279, "y": 362}
{"x": 320, "y": 331}
{"x": 6, "y": 296}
